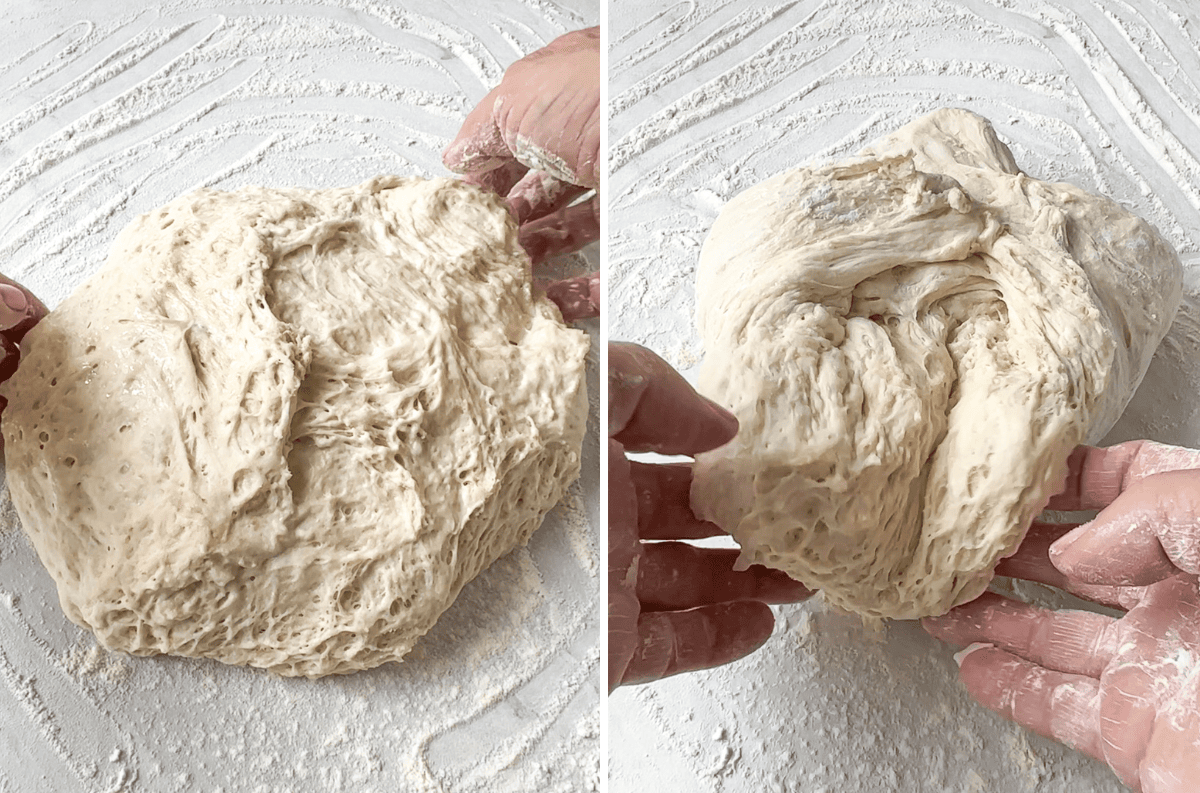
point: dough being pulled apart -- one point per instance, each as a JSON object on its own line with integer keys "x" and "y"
{"x": 913, "y": 341}
{"x": 284, "y": 428}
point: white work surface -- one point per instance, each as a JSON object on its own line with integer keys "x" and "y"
{"x": 709, "y": 98}
{"x": 108, "y": 110}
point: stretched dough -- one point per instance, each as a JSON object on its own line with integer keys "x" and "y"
{"x": 913, "y": 341}
{"x": 283, "y": 428}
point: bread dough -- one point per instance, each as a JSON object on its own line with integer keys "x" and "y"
{"x": 283, "y": 428}
{"x": 913, "y": 341}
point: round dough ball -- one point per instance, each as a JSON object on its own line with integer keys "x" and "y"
{"x": 913, "y": 341}
{"x": 284, "y": 428}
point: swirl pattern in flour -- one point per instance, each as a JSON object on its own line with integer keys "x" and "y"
{"x": 710, "y": 98}
{"x": 109, "y": 113}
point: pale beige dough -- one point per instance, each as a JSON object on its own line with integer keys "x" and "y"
{"x": 284, "y": 427}
{"x": 913, "y": 341}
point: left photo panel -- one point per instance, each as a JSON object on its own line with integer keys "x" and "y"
{"x": 300, "y": 383}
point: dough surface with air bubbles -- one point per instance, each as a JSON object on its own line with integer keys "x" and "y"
{"x": 283, "y": 428}
{"x": 913, "y": 340}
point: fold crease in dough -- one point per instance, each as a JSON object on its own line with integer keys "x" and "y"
{"x": 913, "y": 341}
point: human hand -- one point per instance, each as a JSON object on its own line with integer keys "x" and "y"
{"x": 673, "y": 607}
{"x": 536, "y": 140}
{"x": 1124, "y": 690}
{"x": 19, "y": 311}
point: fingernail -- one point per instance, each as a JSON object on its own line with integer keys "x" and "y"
{"x": 13, "y": 297}
{"x": 961, "y": 655}
{"x": 14, "y": 306}
{"x": 722, "y": 415}
{"x": 1064, "y": 543}
{"x": 452, "y": 156}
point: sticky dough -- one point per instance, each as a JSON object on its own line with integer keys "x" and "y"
{"x": 913, "y": 341}
{"x": 284, "y": 427}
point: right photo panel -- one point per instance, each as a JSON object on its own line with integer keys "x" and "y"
{"x": 905, "y": 358}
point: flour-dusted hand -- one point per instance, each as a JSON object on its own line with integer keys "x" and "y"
{"x": 536, "y": 139}
{"x": 1124, "y": 690}
{"x": 536, "y": 136}
{"x": 19, "y": 312}
{"x": 1149, "y": 528}
{"x": 673, "y": 607}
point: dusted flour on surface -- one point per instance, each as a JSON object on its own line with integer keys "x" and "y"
{"x": 913, "y": 341}
{"x": 283, "y": 428}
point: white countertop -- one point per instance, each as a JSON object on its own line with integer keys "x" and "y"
{"x": 108, "y": 110}
{"x": 709, "y": 98}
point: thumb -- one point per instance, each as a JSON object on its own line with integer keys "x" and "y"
{"x": 565, "y": 231}
{"x": 480, "y": 145}
{"x": 651, "y": 408}
{"x": 576, "y": 298}
{"x": 1150, "y": 532}
{"x": 15, "y": 306}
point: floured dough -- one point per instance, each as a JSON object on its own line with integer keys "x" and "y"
{"x": 284, "y": 427}
{"x": 913, "y": 341}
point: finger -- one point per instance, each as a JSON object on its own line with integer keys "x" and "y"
{"x": 576, "y": 298}
{"x": 1060, "y": 706}
{"x": 1156, "y": 458}
{"x": 671, "y": 642}
{"x": 14, "y": 306}
{"x": 673, "y": 576}
{"x": 623, "y": 552}
{"x": 1032, "y": 562}
{"x": 19, "y": 309}
{"x": 622, "y": 632}
{"x": 1131, "y": 696}
{"x": 1149, "y": 533}
{"x": 538, "y": 194}
{"x": 479, "y": 145}
{"x": 1118, "y": 597}
{"x": 1095, "y": 476}
{"x": 19, "y": 312}
{"x": 1120, "y": 552}
{"x": 500, "y": 179}
{"x": 664, "y": 503}
{"x": 1073, "y": 642}
{"x": 651, "y": 408}
{"x": 1172, "y": 756}
{"x": 10, "y": 357}
{"x": 564, "y": 231}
